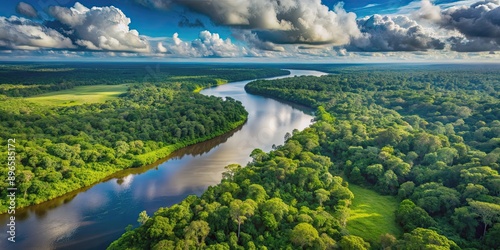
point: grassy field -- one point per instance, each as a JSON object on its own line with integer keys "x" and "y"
{"x": 372, "y": 214}
{"x": 80, "y": 95}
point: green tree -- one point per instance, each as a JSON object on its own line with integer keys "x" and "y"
{"x": 121, "y": 148}
{"x": 374, "y": 172}
{"x": 258, "y": 155}
{"x": 473, "y": 191}
{"x": 257, "y": 193}
{"x": 465, "y": 222}
{"x": 406, "y": 189}
{"x": 447, "y": 155}
{"x": 491, "y": 238}
{"x": 421, "y": 238}
{"x": 389, "y": 182}
{"x": 143, "y": 217}
{"x": 197, "y": 231}
{"x": 164, "y": 244}
{"x": 488, "y": 212}
{"x": 409, "y": 216}
{"x": 25, "y": 181}
{"x": 276, "y": 207}
{"x": 231, "y": 170}
{"x": 160, "y": 228}
{"x": 304, "y": 235}
{"x": 323, "y": 115}
{"x": 322, "y": 195}
{"x": 241, "y": 210}
{"x": 352, "y": 242}
{"x": 387, "y": 241}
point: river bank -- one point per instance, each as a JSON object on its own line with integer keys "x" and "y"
{"x": 94, "y": 217}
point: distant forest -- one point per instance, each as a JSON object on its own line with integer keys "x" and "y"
{"x": 428, "y": 135}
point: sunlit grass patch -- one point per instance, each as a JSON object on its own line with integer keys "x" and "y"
{"x": 80, "y": 95}
{"x": 372, "y": 214}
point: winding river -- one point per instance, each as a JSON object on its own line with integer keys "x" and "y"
{"x": 93, "y": 217}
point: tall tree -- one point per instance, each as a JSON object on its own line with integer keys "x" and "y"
{"x": 143, "y": 217}
{"x": 304, "y": 234}
{"x": 241, "y": 210}
{"x": 322, "y": 195}
{"x": 231, "y": 169}
{"x": 197, "y": 231}
{"x": 351, "y": 242}
{"x": 488, "y": 212}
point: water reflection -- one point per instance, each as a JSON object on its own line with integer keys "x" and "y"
{"x": 93, "y": 217}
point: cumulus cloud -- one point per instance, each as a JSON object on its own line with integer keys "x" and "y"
{"x": 99, "y": 28}
{"x": 280, "y": 22}
{"x": 24, "y": 34}
{"x": 26, "y": 10}
{"x": 428, "y": 11}
{"x": 253, "y": 41}
{"x": 269, "y": 24}
{"x": 478, "y": 24}
{"x": 206, "y": 45}
{"x": 160, "y": 48}
{"x": 399, "y": 33}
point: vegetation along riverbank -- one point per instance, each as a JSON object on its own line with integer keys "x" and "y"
{"x": 75, "y": 124}
{"x": 426, "y": 137}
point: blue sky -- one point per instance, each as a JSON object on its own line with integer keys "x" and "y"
{"x": 254, "y": 30}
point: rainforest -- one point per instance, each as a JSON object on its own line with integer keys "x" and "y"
{"x": 425, "y": 138}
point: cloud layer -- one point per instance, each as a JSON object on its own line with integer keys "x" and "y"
{"x": 260, "y": 28}
{"x": 399, "y": 33}
{"x": 24, "y": 34}
{"x": 478, "y": 23}
{"x": 267, "y": 24}
{"x": 100, "y": 28}
{"x": 282, "y": 22}
{"x": 207, "y": 45}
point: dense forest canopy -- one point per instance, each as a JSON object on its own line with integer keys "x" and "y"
{"x": 62, "y": 148}
{"x": 428, "y": 135}
{"x": 28, "y": 79}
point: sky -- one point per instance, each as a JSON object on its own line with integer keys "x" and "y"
{"x": 251, "y": 30}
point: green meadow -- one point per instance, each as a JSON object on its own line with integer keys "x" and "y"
{"x": 372, "y": 214}
{"x": 80, "y": 95}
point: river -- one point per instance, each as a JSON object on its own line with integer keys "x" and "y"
{"x": 94, "y": 217}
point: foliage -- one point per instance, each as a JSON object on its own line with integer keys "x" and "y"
{"x": 428, "y": 134}
{"x": 61, "y": 147}
{"x": 287, "y": 198}
{"x": 351, "y": 242}
{"x": 421, "y": 238}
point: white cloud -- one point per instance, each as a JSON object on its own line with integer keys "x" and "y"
{"x": 160, "y": 48}
{"x": 24, "y": 34}
{"x": 371, "y": 5}
{"x": 282, "y": 22}
{"x": 100, "y": 28}
{"x": 253, "y": 41}
{"x": 428, "y": 11}
{"x": 207, "y": 45}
